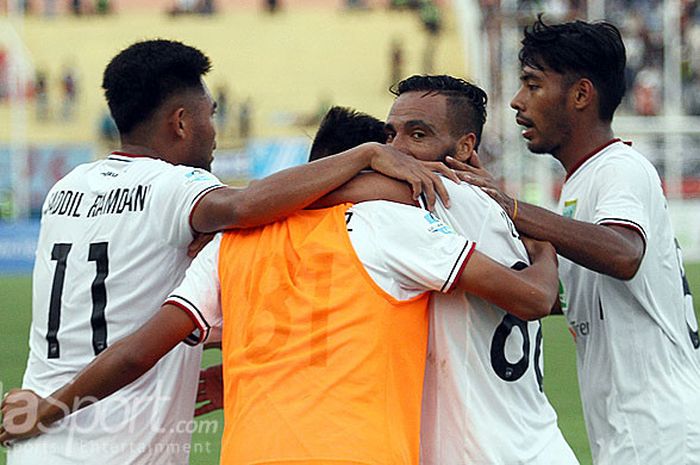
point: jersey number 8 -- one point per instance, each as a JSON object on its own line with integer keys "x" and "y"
{"x": 506, "y": 370}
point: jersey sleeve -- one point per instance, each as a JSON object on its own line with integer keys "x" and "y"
{"x": 411, "y": 247}
{"x": 622, "y": 193}
{"x": 199, "y": 293}
{"x": 187, "y": 187}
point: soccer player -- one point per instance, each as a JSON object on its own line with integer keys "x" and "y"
{"x": 114, "y": 241}
{"x": 484, "y": 369}
{"x": 341, "y": 129}
{"x": 324, "y": 332}
{"x": 626, "y": 297}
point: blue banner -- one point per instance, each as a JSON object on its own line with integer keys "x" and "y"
{"x": 268, "y": 156}
{"x": 46, "y": 164}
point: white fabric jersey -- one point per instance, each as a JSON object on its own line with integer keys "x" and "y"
{"x": 637, "y": 341}
{"x": 483, "y": 402}
{"x": 113, "y": 244}
{"x": 429, "y": 256}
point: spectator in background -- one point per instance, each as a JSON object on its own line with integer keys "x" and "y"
{"x": 4, "y": 64}
{"x": 271, "y": 6}
{"x": 24, "y": 6}
{"x": 69, "y": 86}
{"x": 432, "y": 22}
{"x": 245, "y": 115}
{"x": 356, "y": 4}
{"x": 41, "y": 96}
{"x": 49, "y": 8}
{"x": 206, "y": 7}
{"x": 222, "y": 111}
{"x": 76, "y": 7}
{"x": 647, "y": 92}
{"x": 396, "y": 61}
{"x": 183, "y": 7}
{"x": 103, "y": 7}
{"x": 430, "y": 16}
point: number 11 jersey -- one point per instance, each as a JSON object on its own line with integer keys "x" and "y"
{"x": 113, "y": 244}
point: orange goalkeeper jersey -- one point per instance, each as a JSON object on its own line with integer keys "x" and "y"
{"x": 321, "y": 366}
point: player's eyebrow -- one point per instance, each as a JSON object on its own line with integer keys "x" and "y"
{"x": 529, "y": 76}
{"x": 421, "y": 124}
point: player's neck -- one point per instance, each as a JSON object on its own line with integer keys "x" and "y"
{"x": 140, "y": 149}
{"x": 582, "y": 143}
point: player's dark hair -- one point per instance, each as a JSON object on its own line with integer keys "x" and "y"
{"x": 466, "y": 102}
{"x": 579, "y": 49}
{"x": 141, "y": 77}
{"x": 344, "y": 128}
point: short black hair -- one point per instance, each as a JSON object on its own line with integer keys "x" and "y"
{"x": 344, "y": 128}
{"x": 466, "y": 102}
{"x": 141, "y": 77}
{"x": 580, "y": 49}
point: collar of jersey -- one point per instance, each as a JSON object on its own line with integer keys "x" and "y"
{"x": 117, "y": 155}
{"x": 592, "y": 154}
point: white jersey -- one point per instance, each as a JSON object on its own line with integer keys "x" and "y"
{"x": 637, "y": 341}
{"x": 113, "y": 244}
{"x": 483, "y": 402}
{"x": 402, "y": 268}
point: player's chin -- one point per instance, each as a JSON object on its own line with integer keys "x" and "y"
{"x": 535, "y": 147}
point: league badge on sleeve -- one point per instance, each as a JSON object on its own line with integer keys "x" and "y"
{"x": 437, "y": 225}
{"x": 197, "y": 175}
{"x": 569, "y": 208}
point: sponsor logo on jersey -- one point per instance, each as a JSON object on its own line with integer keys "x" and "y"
{"x": 569, "y": 208}
{"x": 579, "y": 328}
{"x": 436, "y": 224}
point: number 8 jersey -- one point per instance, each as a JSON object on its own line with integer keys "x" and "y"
{"x": 483, "y": 402}
{"x": 113, "y": 243}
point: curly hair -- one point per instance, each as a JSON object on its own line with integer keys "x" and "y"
{"x": 466, "y": 102}
{"x": 141, "y": 77}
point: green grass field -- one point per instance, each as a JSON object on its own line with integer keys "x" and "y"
{"x": 560, "y": 371}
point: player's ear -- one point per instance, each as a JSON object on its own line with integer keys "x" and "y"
{"x": 465, "y": 146}
{"x": 583, "y": 93}
{"x": 178, "y": 122}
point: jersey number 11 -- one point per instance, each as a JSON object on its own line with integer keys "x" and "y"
{"x": 97, "y": 254}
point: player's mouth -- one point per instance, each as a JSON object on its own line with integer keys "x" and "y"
{"x": 528, "y": 126}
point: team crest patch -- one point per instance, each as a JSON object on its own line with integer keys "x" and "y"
{"x": 436, "y": 224}
{"x": 569, "y": 208}
{"x": 562, "y": 297}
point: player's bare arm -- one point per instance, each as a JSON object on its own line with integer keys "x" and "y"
{"x": 282, "y": 193}
{"x": 530, "y": 293}
{"x": 368, "y": 186}
{"x": 611, "y": 250}
{"x": 25, "y": 414}
{"x": 531, "y": 298}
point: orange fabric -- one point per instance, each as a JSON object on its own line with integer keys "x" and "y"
{"x": 320, "y": 365}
